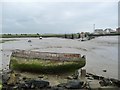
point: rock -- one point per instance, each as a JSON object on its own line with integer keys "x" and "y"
{"x": 94, "y": 85}
{"x": 90, "y": 78}
{"x": 34, "y": 84}
{"x": 40, "y": 83}
{"x": 12, "y": 80}
{"x": 61, "y": 85}
{"x": 5, "y": 78}
{"x": 75, "y": 77}
{"x": 116, "y": 82}
{"x": 29, "y": 41}
{"x": 104, "y": 70}
{"x": 6, "y": 87}
{"x": 105, "y": 82}
{"x": 24, "y": 86}
{"x": 101, "y": 77}
{"x": 57, "y": 88}
{"x": 24, "y": 78}
{"x": 87, "y": 75}
{"x": 70, "y": 77}
{"x": 15, "y": 87}
{"x": 96, "y": 77}
{"x": 75, "y": 84}
{"x": 41, "y": 76}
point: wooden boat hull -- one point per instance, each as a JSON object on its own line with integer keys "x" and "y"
{"x": 40, "y": 65}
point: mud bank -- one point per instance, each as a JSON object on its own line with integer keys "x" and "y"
{"x": 101, "y": 53}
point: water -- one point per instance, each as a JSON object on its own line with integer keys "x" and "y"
{"x": 101, "y": 53}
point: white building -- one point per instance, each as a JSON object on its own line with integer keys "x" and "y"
{"x": 98, "y": 31}
{"x": 109, "y": 30}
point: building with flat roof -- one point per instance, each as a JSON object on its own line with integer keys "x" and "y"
{"x": 118, "y": 30}
{"x": 98, "y": 31}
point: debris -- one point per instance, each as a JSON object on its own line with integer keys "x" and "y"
{"x": 29, "y": 41}
{"x": 104, "y": 70}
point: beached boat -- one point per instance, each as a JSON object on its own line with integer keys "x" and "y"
{"x": 46, "y": 62}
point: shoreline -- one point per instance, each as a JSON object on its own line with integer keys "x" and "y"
{"x": 14, "y": 80}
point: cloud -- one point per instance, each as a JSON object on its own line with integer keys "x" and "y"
{"x": 58, "y": 17}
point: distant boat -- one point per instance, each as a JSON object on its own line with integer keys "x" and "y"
{"x": 40, "y": 37}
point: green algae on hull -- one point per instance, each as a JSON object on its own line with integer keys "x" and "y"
{"x": 53, "y": 63}
{"x": 42, "y": 66}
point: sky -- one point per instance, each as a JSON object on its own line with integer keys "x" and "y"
{"x": 57, "y": 17}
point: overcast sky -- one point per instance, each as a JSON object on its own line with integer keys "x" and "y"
{"x": 58, "y": 17}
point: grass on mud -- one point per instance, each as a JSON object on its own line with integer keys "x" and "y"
{"x": 44, "y": 66}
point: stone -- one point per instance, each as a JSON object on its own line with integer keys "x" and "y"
{"x": 115, "y": 82}
{"x": 74, "y": 84}
{"x": 106, "y": 82}
{"x": 24, "y": 86}
{"x": 41, "y": 84}
{"x": 56, "y": 88}
{"x": 94, "y": 84}
{"x": 41, "y": 76}
{"x": 61, "y": 85}
{"x": 12, "y": 80}
{"x": 70, "y": 77}
{"x": 90, "y": 78}
{"x": 35, "y": 84}
{"x": 5, "y": 78}
{"x": 104, "y": 70}
{"x": 29, "y": 41}
{"x": 96, "y": 77}
{"x": 76, "y": 74}
{"x": 75, "y": 77}
{"x": 24, "y": 78}
{"x": 101, "y": 77}
{"x": 9, "y": 88}
{"x": 87, "y": 75}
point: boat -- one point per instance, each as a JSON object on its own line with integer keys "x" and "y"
{"x": 40, "y": 37}
{"x": 46, "y": 62}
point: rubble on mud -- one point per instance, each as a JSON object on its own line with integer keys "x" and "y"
{"x": 15, "y": 81}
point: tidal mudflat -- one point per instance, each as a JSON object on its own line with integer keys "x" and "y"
{"x": 101, "y": 52}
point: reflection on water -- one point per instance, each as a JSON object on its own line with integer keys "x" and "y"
{"x": 101, "y": 53}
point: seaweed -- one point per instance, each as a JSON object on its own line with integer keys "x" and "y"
{"x": 45, "y": 66}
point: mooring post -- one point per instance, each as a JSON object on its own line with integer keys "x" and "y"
{"x": 82, "y": 73}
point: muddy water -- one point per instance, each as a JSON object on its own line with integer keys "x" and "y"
{"x": 101, "y": 53}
